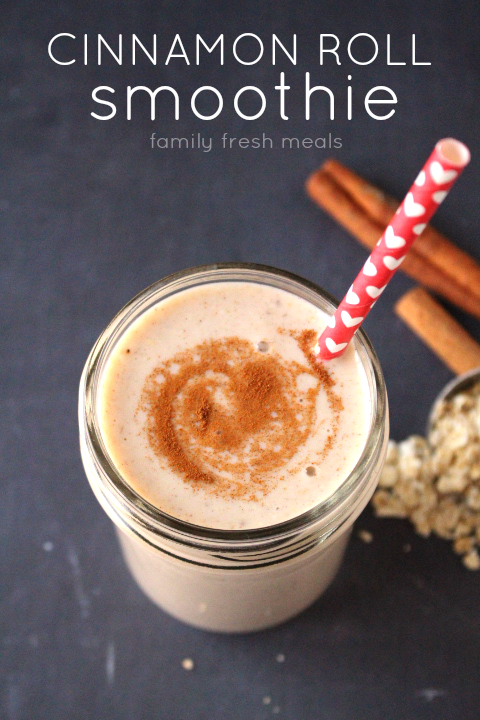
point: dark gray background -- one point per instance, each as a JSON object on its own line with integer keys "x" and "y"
{"x": 89, "y": 215}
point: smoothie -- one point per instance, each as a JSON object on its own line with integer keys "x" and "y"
{"x": 231, "y": 461}
{"x": 215, "y": 411}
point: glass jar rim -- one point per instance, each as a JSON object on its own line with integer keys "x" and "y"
{"x": 121, "y": 496}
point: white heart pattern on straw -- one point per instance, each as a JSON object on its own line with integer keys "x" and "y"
{"x": 333, "y": 347}
{"x": 369, "y": 268}
{"x": 392, "y": 263}
{"x": 412, "y": 209}
{"x": 422, "y": 200}
{"x": 439, "y": 196}
{"x": 352, "y": 298}
{"x": 419, "y": 228}
{"x": 393, "y": 241}
{"x": 441, "y": 176}
{"x": 420, "y": 178}
{"x": 348, "y": 321}
{"x": 373, "y": 291}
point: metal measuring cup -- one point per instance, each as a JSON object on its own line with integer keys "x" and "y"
{"x": 446, "y": 337}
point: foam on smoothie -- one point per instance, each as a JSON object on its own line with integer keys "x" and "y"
{"x": 214, "y": 409}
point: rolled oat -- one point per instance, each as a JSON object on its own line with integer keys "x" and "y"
{"x": 435, "y": 481}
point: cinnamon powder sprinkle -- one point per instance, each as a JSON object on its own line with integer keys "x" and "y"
{"x": 225, "y": 415}
{"x": 306, "y": 341}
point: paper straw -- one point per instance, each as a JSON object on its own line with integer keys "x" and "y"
{"x": 429, "y": 190}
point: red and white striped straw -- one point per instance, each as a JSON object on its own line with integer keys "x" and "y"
{"x": 429, "y": 190}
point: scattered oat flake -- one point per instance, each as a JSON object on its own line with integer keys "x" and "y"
{"x": 275, "y": 710}
{"x": 472, "y": 560}
{"x": 365, "y": 536}
{"x": 407, "y": 548}
{"x": 267, "y": 700}
{"x": 188, "y": 664}
{"x": 280, "y": 658}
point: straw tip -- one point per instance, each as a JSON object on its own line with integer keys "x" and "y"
{"x": 454, "y": 152}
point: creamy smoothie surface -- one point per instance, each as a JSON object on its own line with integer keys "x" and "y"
{"x": 213, "y": 408}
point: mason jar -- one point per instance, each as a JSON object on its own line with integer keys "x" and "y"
{"x": 230, "y": 580}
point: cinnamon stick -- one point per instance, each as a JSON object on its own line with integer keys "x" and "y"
{"x": 430, "y": 244}
{"x": 365, "y": 212}
{"x": 377, "y": 204}
{"x": 437, "y": 328}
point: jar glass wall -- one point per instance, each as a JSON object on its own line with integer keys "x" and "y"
{"x": 230, "y": 580}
